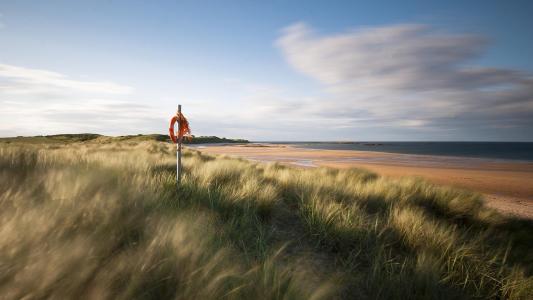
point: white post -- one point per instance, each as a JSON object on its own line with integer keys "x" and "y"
{"x": 178, "y": 161}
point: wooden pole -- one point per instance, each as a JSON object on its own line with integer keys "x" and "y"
{"x": 178, "y": 163}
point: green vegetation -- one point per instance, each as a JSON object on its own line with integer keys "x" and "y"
{"x": 213, "y": 139}
{"x": 103, "y": 218}
{"x": 83, "y": 137}
{"x": 56, "y": 138}
{"x": 166, "y": 138}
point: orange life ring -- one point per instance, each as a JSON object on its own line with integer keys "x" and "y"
{"x": 171, "y": 129}
{"x": 183, "y": 128}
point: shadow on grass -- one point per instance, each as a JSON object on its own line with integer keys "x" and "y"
{"x": 373, "y": 255}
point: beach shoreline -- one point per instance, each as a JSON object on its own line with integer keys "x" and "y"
{"x": 506, "y": 185}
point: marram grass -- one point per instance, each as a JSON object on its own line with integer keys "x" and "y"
{"x": 102, "y": 219}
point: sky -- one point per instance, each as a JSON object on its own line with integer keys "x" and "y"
{"x": 270, "y": 70}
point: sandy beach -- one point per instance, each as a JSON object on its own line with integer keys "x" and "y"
{"x": 506, "y": 185}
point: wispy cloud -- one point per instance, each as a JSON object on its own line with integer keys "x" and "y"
{"x": 409, "y": 76}
{"x": 34, "y": 101}
{"x": 26, "y": 80}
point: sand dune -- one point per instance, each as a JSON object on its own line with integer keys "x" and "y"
{"x": 507, "y": 185}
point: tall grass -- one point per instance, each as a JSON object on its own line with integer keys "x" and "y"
{"x": 103, "y": 219}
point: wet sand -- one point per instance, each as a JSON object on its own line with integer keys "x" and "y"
{"x": 507, "y": 185}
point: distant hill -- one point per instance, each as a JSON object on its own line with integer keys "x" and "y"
{"x": 82, "y": 137}
{"x": 56, "y": 138}
{"x": 214, "y": 139}
{"x": 194, "y": 140}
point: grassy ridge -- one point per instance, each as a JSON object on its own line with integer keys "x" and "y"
{"x": 105, "y": 220}
{"x": 84, "y": 137}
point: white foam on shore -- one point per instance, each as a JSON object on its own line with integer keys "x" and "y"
{"x": 304, "y": 163}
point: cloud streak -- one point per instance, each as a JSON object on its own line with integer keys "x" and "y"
{"x": 34, "y": 101}
{"x": 24, "y": 80}
{"x": 409, "y": 76}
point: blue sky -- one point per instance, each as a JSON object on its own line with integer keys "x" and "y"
{"x": 269, "y": 70}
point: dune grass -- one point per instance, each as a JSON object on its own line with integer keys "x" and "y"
{"x": 103, "y": 219}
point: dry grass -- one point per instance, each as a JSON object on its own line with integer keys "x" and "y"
{"x": 103, "y": 219}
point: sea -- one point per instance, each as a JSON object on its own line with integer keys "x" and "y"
{"x": 517, "y": 151}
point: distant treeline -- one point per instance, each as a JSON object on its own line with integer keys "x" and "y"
{"x": 213, "y": 139}
{"x": 82, "y": 137}
{"x": 194, "y": 140}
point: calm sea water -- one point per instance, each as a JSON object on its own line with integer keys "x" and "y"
{"x": 493, "y": 150}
